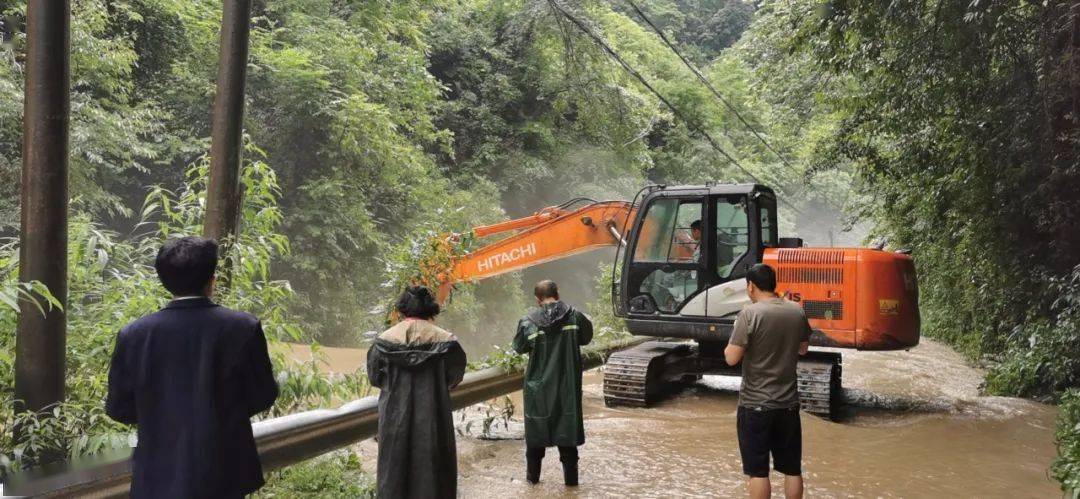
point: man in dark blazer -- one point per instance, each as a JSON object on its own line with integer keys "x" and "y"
{"x": 190, "y": 376}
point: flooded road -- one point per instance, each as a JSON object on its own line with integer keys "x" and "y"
{"x": 916, "y": 428}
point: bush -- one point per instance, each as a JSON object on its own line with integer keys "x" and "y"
{"x": 1066, "y": 468}
{"x": 112, "y": 282}
{"x": 1042, "y": 357}
{"x": 338, "y": 475}
{"x": 606, "y": 326}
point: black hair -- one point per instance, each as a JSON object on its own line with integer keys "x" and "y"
{"x": 763, "y": 276}
{"x": 696, "y": 224}
{"x": 417, "y": 301}
{"x": 187, "y": 264}
{"x": 546, "y": 289}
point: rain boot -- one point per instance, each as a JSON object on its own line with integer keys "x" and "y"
{"x": 532, "y": 471}
{"x": 533, "y": 458}
{"x": 569, "y": 458}
{"x": 569, "y": 471}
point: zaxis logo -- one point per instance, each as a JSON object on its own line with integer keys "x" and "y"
{"x": 795, "y": 297}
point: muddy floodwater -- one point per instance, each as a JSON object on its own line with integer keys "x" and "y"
{"x": 917, "y": 428}
{"x": 333, "y": 359}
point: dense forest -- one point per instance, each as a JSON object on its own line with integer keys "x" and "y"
{"x": 387, "y": 121}
{"x": 948, "y": 127}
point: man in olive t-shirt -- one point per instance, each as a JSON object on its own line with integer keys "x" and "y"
{"x": 768, "y": 338}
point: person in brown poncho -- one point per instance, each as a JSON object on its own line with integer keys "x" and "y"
{"x": 415, "y": 364}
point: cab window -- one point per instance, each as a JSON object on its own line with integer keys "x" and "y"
{"x": 732, "y": 234}
{"x": 670, "y": 232}
{"x": 668, "y": 252}
{"x": 768, "y": 231}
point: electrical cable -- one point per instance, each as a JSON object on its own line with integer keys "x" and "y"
{"x": 633, "y": 72}
{"x": 637, "y": 75}
{"x": 709, "y": 84}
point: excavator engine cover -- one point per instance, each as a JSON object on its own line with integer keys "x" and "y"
{"x": 855, "y": 297}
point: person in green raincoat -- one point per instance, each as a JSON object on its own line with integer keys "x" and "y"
{"x": 552, "y": 334}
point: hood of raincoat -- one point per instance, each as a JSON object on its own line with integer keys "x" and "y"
{"x": 549, "y": 313}
{"x": 411, "y": 342}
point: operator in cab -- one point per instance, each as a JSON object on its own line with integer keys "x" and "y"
{"x": 552, "y": 334}
{"x": 688, "y": 244}
{"x": 768, "y": 338}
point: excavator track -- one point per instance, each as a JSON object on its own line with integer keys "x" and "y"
{"x": 819, "y": 383}
{"x": 635, "y": 377}
{"x": 639, "y": 376}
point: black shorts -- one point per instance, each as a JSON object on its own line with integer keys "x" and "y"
{"x": 765, "y": 431}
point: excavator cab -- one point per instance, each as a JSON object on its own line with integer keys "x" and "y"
{"x": 675, "y": 281}
{"x": 681, "y": 275}
{"x": 688, "y": 251}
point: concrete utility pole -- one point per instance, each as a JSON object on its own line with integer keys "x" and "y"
{"x": 41, "y": 339}
{"x": 223, "y": 192}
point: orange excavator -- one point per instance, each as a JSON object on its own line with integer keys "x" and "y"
{"x": 682, "y": 255}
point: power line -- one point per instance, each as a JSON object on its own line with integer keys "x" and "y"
{"x": 679, "y": 114}
{"x": 633, "y": 72}
{"x": 709, "y": 84}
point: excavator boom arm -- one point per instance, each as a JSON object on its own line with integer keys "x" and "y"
{"x": 544, "y": 215}
{"x": 550, "y": 234}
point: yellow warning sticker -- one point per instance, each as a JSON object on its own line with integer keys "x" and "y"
{"x": 889, "y": 307}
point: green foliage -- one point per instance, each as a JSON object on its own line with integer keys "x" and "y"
{"x": 494, "y": 412}
{"x": 106, "y": 290}
{"x": 33, "y": 292}
{"x": 341, "y": 100}
{"x": 339, "y": 475}
{"x": 934, "y": 112}
{"x": 385, "y": 123}
{"x": 302, "y": 385}
{"x": 115, "y": 130}
{"x": 958, "y": 119}
{"x": 706, "y": 27}
{"x": 606, "y": 326}
{"x": 426, "y": 258}
{"x": 1066, "y": 468}
{"x": 536, "y": 109}
{"x": 504, "y": 358}
{"x": 1042, "y": 356}
{"x": 112, "y": 282}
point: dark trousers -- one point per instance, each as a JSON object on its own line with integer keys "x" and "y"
{"x": 770, "y": 431}
{"x": 567, "y": 455}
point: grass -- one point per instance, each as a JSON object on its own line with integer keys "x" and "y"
{"x": 338, "y": 475}
{"x": 1066, "y": 468}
